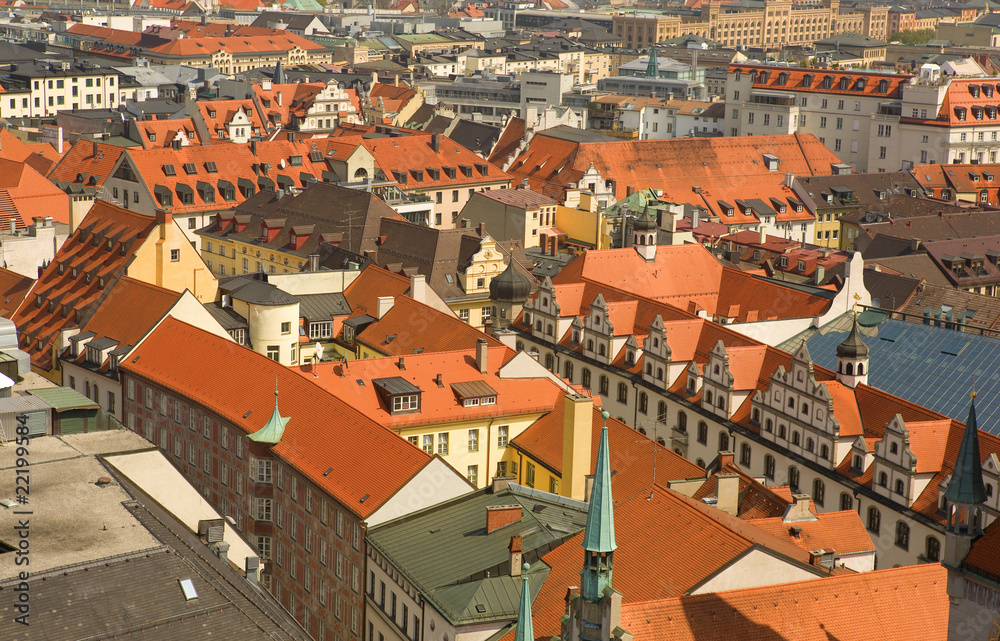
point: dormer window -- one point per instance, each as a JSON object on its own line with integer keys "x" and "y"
{"x": 405, "y": 403}
{"x": 398, "y": 394}
{"x": 474, "y": 393}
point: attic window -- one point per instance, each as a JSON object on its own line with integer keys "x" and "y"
{"x": 295, "y": 161}
{"x": 169, "y": 170}
{"x": 960, "y": 113}
{"x": 315, "y": 156}
{"x": 152, "y": 136}
{"x": 190, "y": 169}
{"x": 883, "y": 86}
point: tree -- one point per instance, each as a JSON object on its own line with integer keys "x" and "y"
{"x": 913, "y": 36}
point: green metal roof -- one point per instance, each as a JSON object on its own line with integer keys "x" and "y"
{"x": 421, "y": 38}
{"x": 445, "y": 550}
{"x": 966, "y": 485}
{"x": 64, "y": 399}
{"x": 272, "y": 431}
{"x": 525, "y": 625}
{"x": 636, "y": 202}
{"x": 600, "y": 533}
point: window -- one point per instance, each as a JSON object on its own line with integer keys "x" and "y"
{"x": 530, "y": 475}
{"x": 933, "y": 549}
{"x": 175, "y": 255}
{"x": 273, "y": 352}
{"x": 485, "y": 314}
{"x": 622, "y": 393}
{"x": 723, "y": 442}
{"x": 463, "y": 314}
{"x": 405, "y": 402}
{"x": 443, "y": 444}
{"x": 874, "y": 519}
{"x": 604, "y": 385}
{"x": 263, "y": 471}
{"x": 502, "y": 434}
{"x": 769, "y": 467}
{"x": 473, "y": 475}
{"x": 473, "y": 440}
{"x": 585, "y": 382}
{"x": 745, "y": 454}
{"x": 320, "y": 330}
{"x": 263, "y": 511}
{"x": 703, "y": 433}
{"x": 819, "y": 491}
{"x": 902, "y": 535}
{"x": 428, "y": 443}
{"x": 900, "y": 488}
{"x": 793, "y": 478}
{"x": 846, "y": 502}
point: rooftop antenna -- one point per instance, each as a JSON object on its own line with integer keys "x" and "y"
{"x": 317, "y": 357}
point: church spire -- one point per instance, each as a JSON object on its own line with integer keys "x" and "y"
{"x": 525, "y": 628}
{"x": 599, "y": 535}
{"x": 274, "y": 428}
{"x": 966, "y": 484}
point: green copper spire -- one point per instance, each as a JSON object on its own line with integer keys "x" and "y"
{"x": 275, "y": 427}
{"x": 599, "y": 536}
{"x": 525, "y": 629}
{"x": 966, "y": 484}
{"x": 651, "y": 67}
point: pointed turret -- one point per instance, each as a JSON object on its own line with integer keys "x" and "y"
{"x": 966, "y": 484}
{"x": 852, "y": 358}
{"x": 279, "y": 74}
{"x": 274, "y": 428}
{"x": 644, "y": 231}
{"x": 525, "y": 628}
{"x": 599, "y": 535}
{"x": 652, "y": 66}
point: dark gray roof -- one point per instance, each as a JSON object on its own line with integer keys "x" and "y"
{"x": 102, "y": 343}
{"x": 395, "y": 385}
{"x": 256, "y": 292}
{"x": 323, "y": 307}
{"x": 226, "y": 316}
{"x": 358, "y": 321}
{"x": 572, "y": 134}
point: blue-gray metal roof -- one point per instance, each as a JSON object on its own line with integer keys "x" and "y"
{"x": 931, "y": 366}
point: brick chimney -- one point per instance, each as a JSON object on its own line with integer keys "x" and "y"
{"x": 578, "y": 436}
{"x": 516, "y": 557}
{"x": 498, "y": 516}
{"x": 726, "y": 458}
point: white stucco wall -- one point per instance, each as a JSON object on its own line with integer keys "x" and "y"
{"x": 752, "y": 570}
{"x": 435, "y": 483}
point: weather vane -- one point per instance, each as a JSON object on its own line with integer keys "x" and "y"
{"x": 857, "y": 299}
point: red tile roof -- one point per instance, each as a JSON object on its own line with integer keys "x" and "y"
{"x": 130, "y": 309}
{"x": 217, "y": 115}
{"x": 202, "y": 47}
{"x": 161, "y": 133}
{"x": 323, "y": 431}
{"x": 812, "y": 80}
{"x": 413, "y": 325}
{"x": 507, "y": 143}
{"x": 673, "y": 165}
{"x": 391, "y": 97}
{"x": 438, "y": 404}
{"x": 79, "y": 274}
{"x": 13, "y": 148}
{"x": 86, "y": 164}
{"x": 13, "y": 288}
{"x": 984, "y": 558}
{"x": 26, "y": 194}
{"x": 901, "y": 603}
{"x": 414, "y": 162}
{"x": 840, "y": 531}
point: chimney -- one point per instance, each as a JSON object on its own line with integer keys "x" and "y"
{"x": 251, "y": 566}
{"x": 94, "y": 150}
{"x": 481, "y": 351}
{"x": 384, "y": 305}
{"x": 726, "y": 458}
{"x": 578, "y": 436}
{"x": 820, "y": 274}
{"x": 498, "y": 516}
{"x": 799, "y": 510}
{"x": 501, "y": 483}
{"x": 401, "y": 365}
{"x": 481, "y": 230}
{"x": 277, "y": 97}
{"x": 253, "y": 147}
{"x": 418, "y": 288}
{"x": 727, "y": 492}
{"x": 436, "y": 143}
{"x": 314, "y": 262}
{"x": 516, "y": 548}
{"x": 789, "y": 180}
{"x": 221, "y": 550}
{"x": 176, "y": 144}
{"x": 763, "y": 234}
{"x": 695, "y": 218}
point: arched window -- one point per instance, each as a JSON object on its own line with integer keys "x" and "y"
{"x": 824, "y": 452}
{"x": 900, "y": 488}
{"x": 550, "y": 362}
{"x": 682, "y": 422}
{"x": 661, "y": 411}
{"x": 861, "y": 369}
{"x": 649, "y": 369}
{"x": 538, "y": 326}
{"x": 902, "y": 535}
{"x": 700, "y": 463}
{"x": 793, "y": 478}
{"x": 586, "y": 378}
{"x": 769, "y": 467}
{"x": 755, "y": 416}
{"x": 702, "y": 433}
{"x": 810, "y": 445}
{"x": 659, "y": 373}
{"x": 819, "y": 491}
{"x": 795, "y": 438}
{"x": 850, "y": 369}
{"x": 590, "y": 344}
{"x": 721, "y": 402}
{"x": 622, "y": 393}
{"x": 791, "y": 403}
{"x": 768, "y": 425}
{"x": 893, "y": 448}
{"x": 874, "y": 519}
{"x": 568, "y": 371}
{"x": 708, "y": 397}
{"x": 745, "y": 454}
{"x": 604, "y": 386}
{"x": 520, "y": 346}
{"x": 600, "y": 349}
{"x": 805, "y": 408}
{"x": 660, "y": 441}
{"x": 883, "y": 479}
{"x": 846, "y": 501}
{"x": 643, "y": 402}
{"x": 723, "y": 442}
{"x": 933, "y": 549}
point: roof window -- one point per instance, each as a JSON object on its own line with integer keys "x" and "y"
{"x": 169, "y": 170}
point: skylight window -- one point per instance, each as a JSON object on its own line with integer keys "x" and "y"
{"x": 188, "y": 588}
{"x": 169, "y": 170}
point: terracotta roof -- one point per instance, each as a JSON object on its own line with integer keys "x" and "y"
{"x": 984, "y": 558}
{"x": 217, "y": 114}
{"x": 631, "y": 452}
{"x": 26, "y": 194}
{"x": 524, "y": 198}
{"x": 756, "y": 501}
{"x": 392, "y": 97}
{"x": 438, "y": 403}
{"x": 674, "y": 165}
{"x": 417, "y": 166}
{"x": 161, "y": 133}
{"x": 205, "y": 47}
{"x": 13, "y": 148}
{"x": 510, "y": 138}
{"x": 408, "y": 320}
{"x": 323, "y": 431}
{"x": 907, "y": 602}
{"x": 813, "y": 80}
{"x": 86, "y": 164}
{"x": 195, "y": 29}
{"x": 13, "y": 288}
{"x": 79, "y": 274}
{"x": 840, "y": 531}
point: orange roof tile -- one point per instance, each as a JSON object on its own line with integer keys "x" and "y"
{"x": 900, "y": 603}
{"x": 13, "y": 148}
{"x": 842, "y": 82}
{"x": 413, "y": 158}
{"x": 129, "y": 310}
{"x": 840, "y": 531}
{"x": 161, "y": 133}
{"x": 323, "y": 431}
{"x": 78, "y": 275}
{"x": 13, "y": 288}
{"x": 202, "y": 47}
{"x": 87, "y": 163}
{"x": 438, "y": 404}
{"x": 984, "y": 558}
{"x": 551, "y": 164}
{"x": 30, "y": 195}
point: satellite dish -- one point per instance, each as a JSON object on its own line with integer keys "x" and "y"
{"x": 318, "y": 354}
